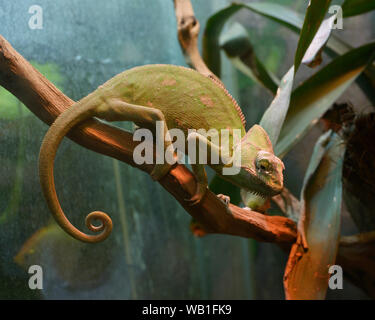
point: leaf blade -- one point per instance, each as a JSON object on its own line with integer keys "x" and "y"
{"x": 239, "y": 50}
{"x": 273, "y": 119}
{"x": 306, "y": 275}
{"x": 311, "y": 99}
{"x": 312, "y": 56}
{"x": 313, "y": 19}
{"x": 216, "y": 22}
{"x": 355, "y": 7}
{"x": 211, "y": 34}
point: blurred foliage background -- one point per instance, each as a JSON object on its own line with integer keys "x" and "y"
{"x": 151, "y": 253}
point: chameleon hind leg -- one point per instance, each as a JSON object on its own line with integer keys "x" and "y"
{"x": 214, "y": 152}
{"x": 119, "y": 110}
{"x": 202, "y": 184}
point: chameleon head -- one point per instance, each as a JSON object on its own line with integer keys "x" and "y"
{"x": 261, "y": 172}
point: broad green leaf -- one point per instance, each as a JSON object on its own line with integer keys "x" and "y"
{"x": 335, "y": 45}
{"x": 307, "y": 272}
{"x": 273, "y": 119}
{"x": 354, "y": 7}
{"x": 211, "y": 47}
{"x": 314, "y": 17}
{"x": 313, "y": 55}
{"x": 236, "y": 44}
{"x": 366, "y": 80}
{"x": 315, "y": 96}
{"x": 277, "y": 13}
{"x": 215, "y": 24}
{"x": 294, "y": 21}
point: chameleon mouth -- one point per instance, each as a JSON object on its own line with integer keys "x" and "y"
{"x": 258, "y": 194}
{"x": 262, "y": 187}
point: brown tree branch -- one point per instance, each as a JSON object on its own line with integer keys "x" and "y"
{"x": 188, "y": 31}
{"x": 47, "y": 102}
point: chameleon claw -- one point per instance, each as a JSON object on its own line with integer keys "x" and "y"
{"x": 194, "y": 200}
{"x": 224, "y": 198}
{"x": 199, "y": 194}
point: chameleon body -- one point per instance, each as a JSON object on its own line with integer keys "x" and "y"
{"x": 182, "y": 98}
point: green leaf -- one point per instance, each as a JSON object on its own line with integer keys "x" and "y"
{"x": 312, "y": 40}
{"x": 294, "y": 21}
{"x": 314, "y": 16}
{"x": 335, "y": 45}
{"x": 354, "y": 7}
{"x": 215, "y": 24}
{"x": 273, "y": 118}
{"x": 277, "y": 13}
{"x": 315, "y": 96}
{"x": 306, "y": 275}
{"x": 236, "y": 44}
{"x": 211, "y": 47}
{"x": 366, "y": 80}
{"x": 313, "y": 55}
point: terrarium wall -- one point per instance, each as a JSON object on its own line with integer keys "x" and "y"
{"x": 151, "y": 253}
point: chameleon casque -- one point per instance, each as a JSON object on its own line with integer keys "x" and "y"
{"x": 182, "y": 98}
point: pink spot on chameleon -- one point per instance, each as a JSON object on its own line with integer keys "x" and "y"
{"x": 207, "y": 101}
{"x": 149, "y": 103}
{"x": 169, "y": 82}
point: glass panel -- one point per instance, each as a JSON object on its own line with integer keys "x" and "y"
{"x": 151, "y": 253}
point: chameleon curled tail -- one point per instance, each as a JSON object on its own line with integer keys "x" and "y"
{"x": 51, "y": 142}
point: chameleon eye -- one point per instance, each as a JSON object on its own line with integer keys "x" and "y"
{"x": 263, "y": 165}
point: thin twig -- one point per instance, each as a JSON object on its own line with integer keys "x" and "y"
{"x": 188, "y": 31}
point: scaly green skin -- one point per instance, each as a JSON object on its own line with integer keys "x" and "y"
{"x": 183, "y": 99}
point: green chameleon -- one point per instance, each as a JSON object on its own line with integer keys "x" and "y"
{"x": 181, "y": 98}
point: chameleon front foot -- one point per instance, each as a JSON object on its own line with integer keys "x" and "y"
{"x": 160, "y": 170}
{"x": 199, "y": 194}
{"x": 224, "y": 198}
